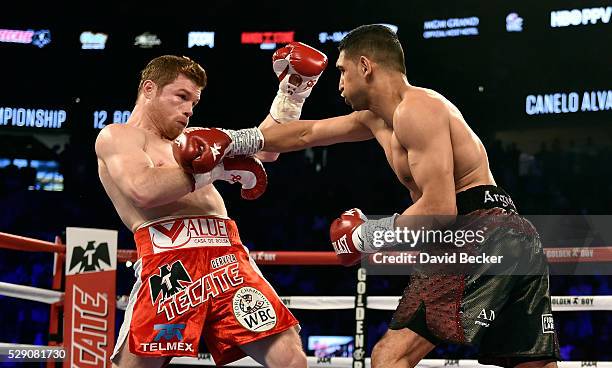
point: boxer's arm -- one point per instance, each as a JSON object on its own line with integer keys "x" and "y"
{"x": 424, "y": 130}
{"x": 301, "y": 134}
{"x": 263, "y": 155}
{"x": 121, "y": 150}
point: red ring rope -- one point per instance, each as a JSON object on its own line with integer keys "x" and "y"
{"x": 300, "y": 258}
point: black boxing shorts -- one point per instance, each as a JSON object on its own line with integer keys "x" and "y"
{"x": 507, "y": 314}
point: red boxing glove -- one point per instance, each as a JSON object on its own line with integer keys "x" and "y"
{"x": 199, "y": 150}
{"x": 248, "y": 171}
{"x": 345, "y": 234}
{"x": 297, "y": 66}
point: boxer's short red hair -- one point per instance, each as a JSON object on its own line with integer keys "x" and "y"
{"x": 165, "y": 69}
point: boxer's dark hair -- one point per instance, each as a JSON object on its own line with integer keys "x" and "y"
{"x": 377, "y": 42}
{"x": 165, "y": 69}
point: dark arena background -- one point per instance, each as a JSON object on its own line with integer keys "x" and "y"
{"x": 532, "y": 79}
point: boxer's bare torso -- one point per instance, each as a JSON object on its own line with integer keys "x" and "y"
{"x": 205, "y": 201}
{"x": 469, "y": 159}
{"x": 424, "y": 137}
{"x": 135, "y": 161}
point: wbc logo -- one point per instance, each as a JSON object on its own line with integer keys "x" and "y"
{"x": 253, "y": 310}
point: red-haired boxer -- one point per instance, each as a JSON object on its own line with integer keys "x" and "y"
{"x": 444, "y": 167}
{"x": 193, "y": 277}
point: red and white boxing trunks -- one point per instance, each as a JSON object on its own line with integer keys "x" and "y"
{"x": 194, "y": 277}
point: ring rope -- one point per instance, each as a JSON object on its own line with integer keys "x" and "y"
{"x": 302, "y": 258}
{"x": 559, "y": 303}
{"x": 17, "y": 242}
{"x": 6, "y": 346}
{"x": 31, "y": 293}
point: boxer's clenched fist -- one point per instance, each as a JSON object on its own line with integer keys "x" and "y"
{"x": 199, "y": 150}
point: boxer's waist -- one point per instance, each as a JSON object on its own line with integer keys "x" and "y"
{"x": 483, "y": 197}
{"x": 182, "y": 232}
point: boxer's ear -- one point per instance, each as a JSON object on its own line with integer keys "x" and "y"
{"x": 149, "y": 88}
{"x": 365, "y": 66}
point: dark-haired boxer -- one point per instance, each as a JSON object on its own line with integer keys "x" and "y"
{"x": 444, "y": 166}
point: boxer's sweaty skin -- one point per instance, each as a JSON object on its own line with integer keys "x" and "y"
{"x": 136, "y": 165}
{"x": 428, "y": 135}
{"x": 421, "y": 132}
{"x": 158, "y": 154}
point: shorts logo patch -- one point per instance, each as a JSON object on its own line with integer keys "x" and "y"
{"x": 484, "y": 318}
{"x": 188, "y": 233}
{"x": 253, "y": 310}
{"x": 548, "y": 324}
{"x": 170, "y": 280}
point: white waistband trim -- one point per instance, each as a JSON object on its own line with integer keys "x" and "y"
{"x": 170, "y": 218}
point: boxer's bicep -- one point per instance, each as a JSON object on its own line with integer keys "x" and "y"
{"x": 425, "y": 133}
{"x": 122, "y": 153}
{"x": 339, "y": 129}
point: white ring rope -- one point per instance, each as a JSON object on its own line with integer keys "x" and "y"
{"x": 5, "y": 347}
{"x": 559, "y": 303}
{"x": 30, "y": 293}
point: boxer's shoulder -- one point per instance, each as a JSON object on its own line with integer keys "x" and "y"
{"x": 116, "y": 131}
{"x": 114, "y": 135}
{"x": 420, "y": 117}
{"x": 420, "y": 108}
{"x": 417, "y": 101}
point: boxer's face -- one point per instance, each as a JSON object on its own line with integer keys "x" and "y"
{"x": 352, "y": 85}
{"x": 171, "y": 106}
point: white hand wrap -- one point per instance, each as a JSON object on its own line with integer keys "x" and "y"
{"x": 367, "y": 233}
{"x": 202, "y": 180}
{"x": 245, "y": 142}
{"x": 286, "y": 108}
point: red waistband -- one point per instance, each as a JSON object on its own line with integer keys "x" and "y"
{"x": 174, "y": 233}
